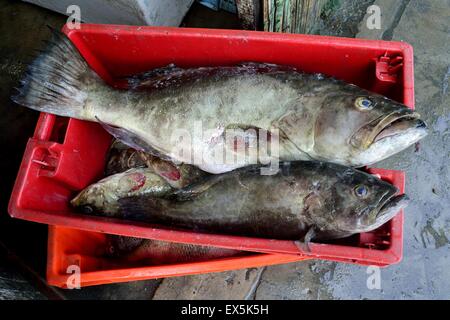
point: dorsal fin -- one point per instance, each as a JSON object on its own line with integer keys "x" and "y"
{"x": 173, "y": 76}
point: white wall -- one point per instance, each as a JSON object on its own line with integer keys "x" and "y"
{"x": 129, "y": 12}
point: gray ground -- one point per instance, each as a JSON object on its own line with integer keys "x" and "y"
{"x": 342, "y": 17}
{"x": 424, "y": 272}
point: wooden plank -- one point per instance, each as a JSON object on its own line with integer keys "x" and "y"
{"x": 266, "y": 15}
{"x": 295, "y": 16}
{"x": 248, "y": 12}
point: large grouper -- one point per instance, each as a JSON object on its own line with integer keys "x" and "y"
{"x": 304, "y": 200}
{"x": 187, "y": 115}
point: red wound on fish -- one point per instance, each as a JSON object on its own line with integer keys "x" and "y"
{"x": 173, "y": 175}
{"x": 167, "y": 170}
{"x": 139, "y": 180}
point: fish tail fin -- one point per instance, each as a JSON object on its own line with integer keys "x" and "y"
{"x": 56, "y": 80}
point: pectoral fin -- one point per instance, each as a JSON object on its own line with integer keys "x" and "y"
{"x": 240, "y": 137}
{"x": 296, "y": 131}
{"x": 304, "y": 243}
{"x": 258, "y": 144}
{"x": 191, "y": 192}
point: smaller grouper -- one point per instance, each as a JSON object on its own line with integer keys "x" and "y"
{"x": 305, "y": 200}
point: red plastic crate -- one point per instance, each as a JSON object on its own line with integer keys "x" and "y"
{"x": 68, "y": 247}
{"x": 65, "y": 155}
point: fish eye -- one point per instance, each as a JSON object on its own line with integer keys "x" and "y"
{"x": 361, "y": 191}
{"x": 87, "y": 209}
{"x": 364, "y": 103}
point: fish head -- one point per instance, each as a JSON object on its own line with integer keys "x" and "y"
{"x": 96, "y": 198}
{"x": 103, "y": 197}
{"x": 360, "y": 202}
{"x": 355, "y": 127}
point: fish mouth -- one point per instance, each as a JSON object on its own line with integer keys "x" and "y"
{"x": 80, "y": 204}
{"x": 75, "y": 202}
{"x": 390, "y": 206}
{"x": 399, "y": 126}
{"x": 393, "y": 125}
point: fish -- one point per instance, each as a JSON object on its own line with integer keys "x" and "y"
{"x": 305, "y": 200}
{"x": 158, "y": 252}
{"x": 121, "y": 158}
{"x": 128, "y": 169}
{"x": 107, "y": 192}
{"x": 220, "y": 118}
